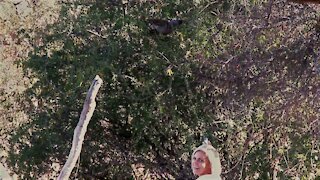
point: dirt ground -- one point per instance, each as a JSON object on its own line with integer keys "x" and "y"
{"x": 14, "y": 16}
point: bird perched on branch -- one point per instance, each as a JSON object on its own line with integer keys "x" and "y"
{"x": 160, "y": 26}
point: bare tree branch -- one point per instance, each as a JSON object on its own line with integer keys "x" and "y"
{"x": 80, "y": 130}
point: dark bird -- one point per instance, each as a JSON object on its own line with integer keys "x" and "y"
{"x": 160, "y": 26}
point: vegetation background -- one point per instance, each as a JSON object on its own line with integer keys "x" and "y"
{"x": 243, "y": 73}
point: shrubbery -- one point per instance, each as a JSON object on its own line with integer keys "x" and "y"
{"x": 226, "y": 74}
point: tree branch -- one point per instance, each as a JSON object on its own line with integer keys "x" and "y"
{"x": 80, "y": 130}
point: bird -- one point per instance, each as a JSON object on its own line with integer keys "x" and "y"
{"x": 160, "y": 26}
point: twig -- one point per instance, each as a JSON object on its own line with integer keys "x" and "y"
{"x": 164, "y": 57}
{"x": 230, "y": 59}
{"x": 134, "y": 80}
{"x": 97, "y": 34}
{"x": 77, "y": 170}
{"x": 80, "y": 130}
{"x": 242, "y": 166}
{"x": 207, "y": 6}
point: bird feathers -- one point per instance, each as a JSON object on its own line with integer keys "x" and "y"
{"x": 161, "y": 26}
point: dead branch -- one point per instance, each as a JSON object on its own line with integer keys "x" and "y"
{"x": 80, "y": 130}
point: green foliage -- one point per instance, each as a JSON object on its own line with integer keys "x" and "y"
{"x": 215, "y": 76}
{"x": 139, "y": 97}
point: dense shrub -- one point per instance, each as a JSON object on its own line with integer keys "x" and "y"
{"x": 230, "y": 72}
